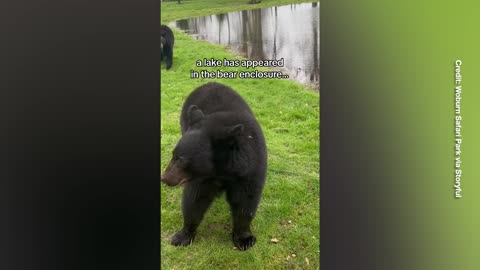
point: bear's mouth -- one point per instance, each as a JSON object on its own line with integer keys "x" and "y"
{"x": 175, "y": 183}
{"x": 182, "y": 182}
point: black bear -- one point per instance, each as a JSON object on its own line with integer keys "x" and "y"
{"x": 222, "y": 148}
{"x": 166, "y": 45}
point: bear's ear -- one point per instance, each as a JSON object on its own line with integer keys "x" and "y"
{"x": 235, "y": 130}
{"x": 194, "y": 115}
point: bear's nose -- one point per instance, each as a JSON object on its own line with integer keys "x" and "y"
{"x": 168, "y": 180}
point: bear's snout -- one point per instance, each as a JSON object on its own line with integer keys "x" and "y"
{"x": 173, "y": 175}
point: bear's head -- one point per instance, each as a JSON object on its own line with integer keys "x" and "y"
{"x": 194, "y": 154}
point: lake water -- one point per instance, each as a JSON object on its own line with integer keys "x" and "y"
{"x": 291, "y": 32}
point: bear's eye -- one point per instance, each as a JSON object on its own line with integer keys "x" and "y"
{"x": 182, "y": 161}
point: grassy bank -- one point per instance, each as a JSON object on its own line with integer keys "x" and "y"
{"x": 172, "y": 11}
{"x": 289, "y": 115}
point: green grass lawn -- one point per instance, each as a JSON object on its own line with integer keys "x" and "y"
{"x": 289, "y": 115}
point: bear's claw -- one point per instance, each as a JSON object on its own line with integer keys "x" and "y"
{"x": 182, "y": 239}
{"x": 244, "y": 243}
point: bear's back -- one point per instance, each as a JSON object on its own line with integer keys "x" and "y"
{"x": 216, "y": 98}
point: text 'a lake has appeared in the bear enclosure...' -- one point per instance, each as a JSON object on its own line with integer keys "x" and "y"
{"x": 458, "y": 129}
{"x": 254, "y": 74}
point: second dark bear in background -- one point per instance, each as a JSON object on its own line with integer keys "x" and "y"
{"x": 222, "y": 148}
{"x": 166, "y": 45}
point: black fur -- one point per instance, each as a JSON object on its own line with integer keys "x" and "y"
{"x": 166, "y": 45}
{"x": 222, "y": 148}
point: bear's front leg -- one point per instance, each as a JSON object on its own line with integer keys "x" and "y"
{"x": 197, "y": 197}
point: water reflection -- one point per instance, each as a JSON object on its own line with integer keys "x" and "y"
{"x": 291, "y": 32}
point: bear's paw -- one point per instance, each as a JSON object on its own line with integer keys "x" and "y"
{"x": 244, "y": 241}
{"x": 182, "y": 239}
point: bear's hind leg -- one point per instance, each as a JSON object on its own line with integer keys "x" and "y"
{"x": 169, "y": 57}
{"x": 197, "y": 197}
